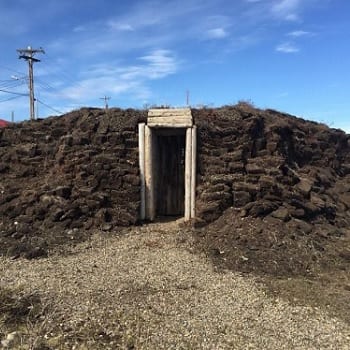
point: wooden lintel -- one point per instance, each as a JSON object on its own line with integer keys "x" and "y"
{"x": 170, "y": 125}
{"x": 169, "y": 112}
{"x": 172, "y": 119}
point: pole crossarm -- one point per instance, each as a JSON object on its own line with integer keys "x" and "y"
{"x": 105, "y": 98}
{"x": 30, "y": 51}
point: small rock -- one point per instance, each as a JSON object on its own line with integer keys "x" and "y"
{"x": 304, "y": 187}
{"x": 198, "y": 222}
{"x": 63, "y": 191}
{"x": 107, "y": 227}
{"x": 345, "y": 254}
{"x": 254, "y": 169}
{"x": 37, "y": 252}
{"x": 281, "y": 214}
{"x": 11, "y": 340}
{"x": 298, "y": 213}
{"x": 241, "y": 198}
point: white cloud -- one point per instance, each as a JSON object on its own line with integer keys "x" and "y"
{"x": 116, "y": 80}
{"x": 292, "y": 17}
{"x": 217, "y": 33}
{"x": 287, "y": 48}
{"x": 299, "y": 33}
{"x": 132, "y": 32}
{"x": 286, "y": 9}
{"x": 79, "y": 29}
{"x": 119, "y": 26}
{"x": 158, "y": 64}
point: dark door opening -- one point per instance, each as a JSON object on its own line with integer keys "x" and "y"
{"x": 170, "y": 172}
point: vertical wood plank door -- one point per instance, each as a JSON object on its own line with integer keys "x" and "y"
{"x": 171, "y": 175}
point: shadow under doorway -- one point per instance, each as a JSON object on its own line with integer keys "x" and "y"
{"x": 169, "y": 172}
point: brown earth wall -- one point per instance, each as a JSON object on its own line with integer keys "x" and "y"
{"x": 62, "y": 176}
{"x": 269, "y": 163}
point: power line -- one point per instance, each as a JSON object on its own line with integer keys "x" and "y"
{"x": 45, "y": 85}
{"x": 28, "y": 55}
{"x": 47, "y": 106}
{"x": 62, "y": 73}
{"x": 11, "y": 84}
{"x": 10, "y": 98}
{"x": 11, "y": 70}
{"x": 14, "y": 93}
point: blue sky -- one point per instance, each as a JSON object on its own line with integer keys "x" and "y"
{"x": 289, "y": 55}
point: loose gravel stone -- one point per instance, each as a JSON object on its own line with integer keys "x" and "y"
{"x": 147, "y": 289}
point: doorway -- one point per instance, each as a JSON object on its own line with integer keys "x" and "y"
{"x": 169, "y": 174}
{"x": 167, "y": 159}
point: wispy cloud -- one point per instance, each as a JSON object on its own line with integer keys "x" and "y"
{"x": 158, "y": 64}
{"x": 117, "y": 79}
{"x": 119, "y": 26}
{"x": 287, "y": 48}
{"x": 217, "y": 33}
{"x": 299, "y": 33}
{"x": 286, "y": 9}
{"x": 142, "y": 41}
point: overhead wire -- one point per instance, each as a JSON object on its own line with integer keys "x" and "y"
{"x": 14, "y": 93}
{"x": 62, "y": 71}
{"x": 55, "y": 69}
{"x": 47, "y": 106}
{"x": 45, "y": 85}
{"x": 10, "y": 98}
{"x": 11, "y": 70}
{"x": 39, "y": 81}
{"x": 11, "y": 84}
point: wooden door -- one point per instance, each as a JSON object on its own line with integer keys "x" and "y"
{"x": 170, "y": 175}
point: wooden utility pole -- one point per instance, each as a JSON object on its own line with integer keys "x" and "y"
{"x": 28, "y": 55}
{"x": 105, "y": 98}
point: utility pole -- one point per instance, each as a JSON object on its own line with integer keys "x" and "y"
{"x": 28, "y": 54}
{"x": 105, "y": 98}
{"x": 187, "y": 98}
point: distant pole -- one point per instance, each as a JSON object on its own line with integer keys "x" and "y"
{"x": 12, "y": 116}
{"x": 37, "y": 109}
{"x": 105, "y": 98}
{"x": 28, "y": 55}
{"x": 187, "y": 98}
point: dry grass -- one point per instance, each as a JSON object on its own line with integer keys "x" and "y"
{"x": 147, "y": 289}
{"x": 329, "y": 291}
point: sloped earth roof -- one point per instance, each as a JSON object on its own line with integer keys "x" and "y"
{"x": 273, "y": 190}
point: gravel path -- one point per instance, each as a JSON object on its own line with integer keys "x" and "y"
{"x": 148, "y": 290}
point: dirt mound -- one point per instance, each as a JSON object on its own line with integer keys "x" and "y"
{"x": 62, "y": 176}
{"x": 273, "y": 190}
{"x": 279, "y": 187}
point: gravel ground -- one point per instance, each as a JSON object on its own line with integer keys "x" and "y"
{"x": 147, "y": 289}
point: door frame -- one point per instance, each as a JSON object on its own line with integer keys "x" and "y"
{"x": 147, "y": 149}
